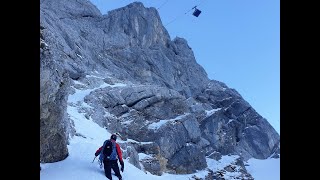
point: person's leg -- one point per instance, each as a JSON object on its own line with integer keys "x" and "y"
{"x": 116, "y": 170}
{"x": 107, "y": 169}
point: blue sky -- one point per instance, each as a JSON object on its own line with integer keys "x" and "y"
{"x": 236, "y": 42}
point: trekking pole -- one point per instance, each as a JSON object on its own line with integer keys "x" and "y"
{"x": 94, "y": 158}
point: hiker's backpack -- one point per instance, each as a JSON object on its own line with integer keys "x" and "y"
{"x": 108, "y": 151}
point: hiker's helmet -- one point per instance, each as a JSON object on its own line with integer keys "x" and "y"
{"x": 114, "y": 137}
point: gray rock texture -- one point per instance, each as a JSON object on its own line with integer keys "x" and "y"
{"x": 54, "y": 85}
{"x": 144, "y": 85}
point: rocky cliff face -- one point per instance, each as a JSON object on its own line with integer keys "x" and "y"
{"x": 148, "y": 88}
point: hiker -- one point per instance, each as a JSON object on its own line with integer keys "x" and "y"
{"x": 109, "y": 153}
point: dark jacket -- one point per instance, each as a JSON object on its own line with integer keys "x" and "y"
{"x": 119, "y": 152}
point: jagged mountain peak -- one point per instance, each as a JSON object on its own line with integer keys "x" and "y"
{"x": 136, "y": 6}
{"x": 143, "y": 25}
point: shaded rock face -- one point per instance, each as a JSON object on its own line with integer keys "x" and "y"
{"x": 236, "y": 127}
{"x": 53, "y": 94}
{"x": 147, "y": 87}
{"x": 129, "y": 152}
{"x": 187, "y": 160}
